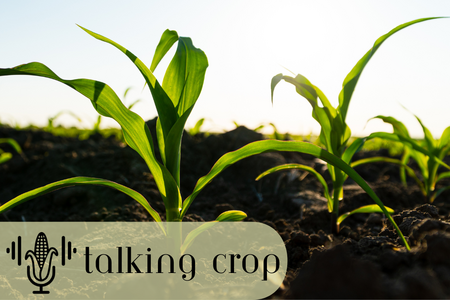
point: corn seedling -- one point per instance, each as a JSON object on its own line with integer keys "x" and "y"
{"x": 276, "y": 134}
{"x": 174, "y": 101}
{"x": 335, "y": 133}
{"x": 51, "y": 120}
{"x": 196, "y": 129}
{"x": 5, "y": 156}
{"x": 428, "y": 156}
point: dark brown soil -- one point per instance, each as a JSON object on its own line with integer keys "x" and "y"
{"x": 366, "y": 260}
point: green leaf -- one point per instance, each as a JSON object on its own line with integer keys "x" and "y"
{"x": 231, "y": 216}
{"x": 196, "y": 129}
{"x": 275, "y": 80}
{"x": 407, "y": 141}
{"x": 437, "y": 193}
{"x": 276, "y": 134}
{"x": 11, "y": 142}
{"x": 373, "y": 208}
{"x": 228, "y": 216}
{"x": 429, "y": 139}
{"x": 442, "y": 176}
{"x": 304, "y": 168}
{"x": 194, "y": 233}
{"x": 136, "y": 133}
{"x": 352, "y": 78}
{"x": 173, "y": 151}
{"x": 325, "y": 101}
{"x": 444, "y": 141}
{"x": 133, "y": 104}
{"x": 304, "y": 87}
{"x": 164, "y": 106}
{"x": 5, "y": 156}
{"x": 81, "y": 181}
{"x": 185, "y": 75}
{"x": 168, "y": 38}
{"x": 405, "y": 159}
{"x": 394, "y": 161}
{"x": 399, "y": 127}
{"x": 291, "y": 146}
{"x": 353, "y": 149}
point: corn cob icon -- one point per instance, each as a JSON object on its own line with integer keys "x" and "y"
{"x": 41, "y": 258}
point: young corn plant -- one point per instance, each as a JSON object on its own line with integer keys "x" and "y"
{"x": 174, "y": 101}
{"x": 428, "y": 156}
{"x": 5, "y": 156}
{"x": 196, "y": 129}
{"x": 51, "y": 120}
{"x": 335, "y": 133}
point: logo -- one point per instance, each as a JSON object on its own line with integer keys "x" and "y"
{"x": 125, "y": 260}
{"x": 41, "y": 272}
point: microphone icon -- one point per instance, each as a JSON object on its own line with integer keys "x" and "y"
{"x": 41, "y": 258}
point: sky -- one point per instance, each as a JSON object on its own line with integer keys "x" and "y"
{"x": 247, "y": 43}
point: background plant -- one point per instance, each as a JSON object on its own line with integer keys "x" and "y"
{"x": 196, "y": 129}
{"x": 51, "y": 120}
{"x": 335, "y": 133}
{"x": 425, "y": 156}
{"x": 5, "y": 156}
{"x": 174, "y": 101}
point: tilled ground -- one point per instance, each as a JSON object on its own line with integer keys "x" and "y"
{"x": 366, "y": 260}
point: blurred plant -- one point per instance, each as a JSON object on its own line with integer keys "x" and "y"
{"x": 5, "y": 156}
{"x": 428, "y": 156}
{"x": 196, "y": 129}
{"x": 51, "y": 120}
{"x": 335, "y": 133}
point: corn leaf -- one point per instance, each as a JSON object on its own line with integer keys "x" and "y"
{"x": 13, "y": 143}
{"x": 173, "y": 151}
{"x": 196, "y": 129}
{"x": 275, "y": 80}
{"x": 228, "y": 216}
{"x": 373, "y": 208}
{"x": 429, "y": 139}
{"x": 352, "y": 78}
{"x": 194, "y": 233}
{"x": 303, "y": 87}
{"x": 355, "y": 147}
{"x": 185, "y": 75}
{"x": 81, "y": 181}
{"x": 399, "y": 127}
{"x": 304, "y": 168}
{"x": 291, "y": 146}
{"x": 405, "y": 159}
{"x": 437, "y": 193}
{"x": 231, "y": 216}
{"x": 408, "y": 141}
{"x": 5, "y": 156}
{"x": 168, "y": 38}
{"x": 444, "y": 142}
{"x": 164, "y": 106}
{"x": 442, "y": 176}
{"x": 401, "y": 130}
{"x": 394, "y": 161}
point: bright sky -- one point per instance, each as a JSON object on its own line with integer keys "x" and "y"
{"x": 247, "y": 43}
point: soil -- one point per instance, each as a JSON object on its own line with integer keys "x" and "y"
{"x": 365, "y": 260}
